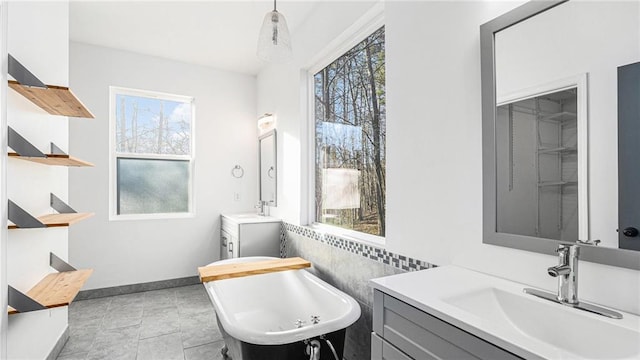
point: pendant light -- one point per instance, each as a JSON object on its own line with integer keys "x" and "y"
{"x": 274, "y": 41}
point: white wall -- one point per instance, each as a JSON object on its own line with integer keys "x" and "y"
{"x": 434, "y": 142}
{"x": 35, "y": 29}
{"x": 3, "y": 181}
{"x": 131, "y": 252}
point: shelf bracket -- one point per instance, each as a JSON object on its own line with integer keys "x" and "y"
{"x": 23, "y": 219}
{"x": 56, "y": 150}
{"x": 22, "y": 146}
{"x": 60, "y": 206}
{"x": 22, "y": 75}
{"x": 59, "y": 264}
{"x": 21, "y": 302}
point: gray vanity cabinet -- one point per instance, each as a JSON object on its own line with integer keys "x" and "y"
{"x": 403, "y": 332}
{"x": 242, "y": 235}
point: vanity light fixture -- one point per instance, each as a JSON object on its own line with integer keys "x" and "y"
{"x": 274, "y": 41}
{"x": 266, "y": 121}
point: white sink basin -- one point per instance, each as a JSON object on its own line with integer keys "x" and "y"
{"x": 498, "y": 311}
{"x": 586, "y": 335}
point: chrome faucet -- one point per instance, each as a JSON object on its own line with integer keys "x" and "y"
{"x": 261, "y": 207}
{"x": 567, "y": 273}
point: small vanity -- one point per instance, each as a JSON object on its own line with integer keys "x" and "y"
{"x": 454, "y": 313}
{"x": 249, "y": 235}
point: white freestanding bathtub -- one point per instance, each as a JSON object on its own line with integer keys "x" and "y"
{"x": 277, "y": 315}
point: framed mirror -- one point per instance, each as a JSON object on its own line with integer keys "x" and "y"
{"x": 549, "y": 126}
{"x": 267, "y": 163}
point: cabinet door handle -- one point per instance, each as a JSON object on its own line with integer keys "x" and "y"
{"x": 230, "y": 247}
{"x": 630, "y": 232}
{"x": 224, "y": 241}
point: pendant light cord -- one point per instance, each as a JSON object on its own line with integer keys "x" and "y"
{"x": 274, "y": 5}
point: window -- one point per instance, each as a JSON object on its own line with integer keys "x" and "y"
{"x": 350, "y": 132}
{"x": 151, "y": 154}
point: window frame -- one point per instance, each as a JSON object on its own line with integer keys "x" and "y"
{"x": 360, "y": 30}
{"x": 114, "y": 155}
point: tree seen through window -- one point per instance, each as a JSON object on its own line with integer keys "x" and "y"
{"x": 350, "y": 133}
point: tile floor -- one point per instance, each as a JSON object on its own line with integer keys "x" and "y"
{"x": 177, "y": 323}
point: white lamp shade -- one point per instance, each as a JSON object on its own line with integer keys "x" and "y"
{"x": 274, "y": 42}
{"x": 266, "y": 121}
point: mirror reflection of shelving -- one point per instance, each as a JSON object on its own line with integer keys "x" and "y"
{"x": 537, "y": 166}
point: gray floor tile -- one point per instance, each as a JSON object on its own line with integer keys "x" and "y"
{"x": 76, "y": 356}
{"x": 192, "y": 300}
{"x": 160, "y": 321}
{"x": 157, "y": 310}
{"x": 115, "y": 344}
{"x": 164, "y": 293}
{"x": 88, "y": 312}
{"x": 125, "y": 317}
{"x": 156, "y": 324}
{"x": 191, "y": 293}
{"x": 86, "y": 319}
{"x": 196, "y": 288}
{"x": 79, "y": 342}
{"x": 83, "y": 328}
{"x": 94, "y": 306}
{"x": 196, "y": 307}
{"x": 165, "y": 347}
{"x": 199, "y": 330}
{"x": 159, "y": 298}
{"x": 119, "y": 301}
{"x": 209, "y": 351}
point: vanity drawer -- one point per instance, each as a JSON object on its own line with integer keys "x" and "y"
{"x": 382, "y": 350}
{"x": 423, "y": 336}
{"x": 229, "y": 226}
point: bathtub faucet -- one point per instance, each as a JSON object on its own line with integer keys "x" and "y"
{"x": 313, "y": 349}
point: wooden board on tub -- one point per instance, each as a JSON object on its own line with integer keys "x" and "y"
{"x": 228, "y": 271}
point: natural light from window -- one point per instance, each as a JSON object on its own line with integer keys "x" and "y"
{"x": 350, "y": 133}
{"x": 152, "y": 152}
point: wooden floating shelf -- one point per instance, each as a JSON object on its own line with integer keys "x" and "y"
{"x": 228, "y": 271}
{"x": 57, "y": 289}
{"x": 56, "y": 100}
{"x": 59, "y": 220}
{"x": 53, "y": 159}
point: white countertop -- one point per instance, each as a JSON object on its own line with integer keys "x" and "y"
{"x": 436, "y": 290}
{"x": 250, "y": 218}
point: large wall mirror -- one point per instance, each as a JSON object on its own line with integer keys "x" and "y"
{"x": 550, "y": 104}
{"x": 268, "y": 170}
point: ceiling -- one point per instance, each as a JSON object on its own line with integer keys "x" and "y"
{"x": 220, "y": 34}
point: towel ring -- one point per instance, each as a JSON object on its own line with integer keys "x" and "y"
{"x": 237, "y": 172}
{"x": 270, "y": 172}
